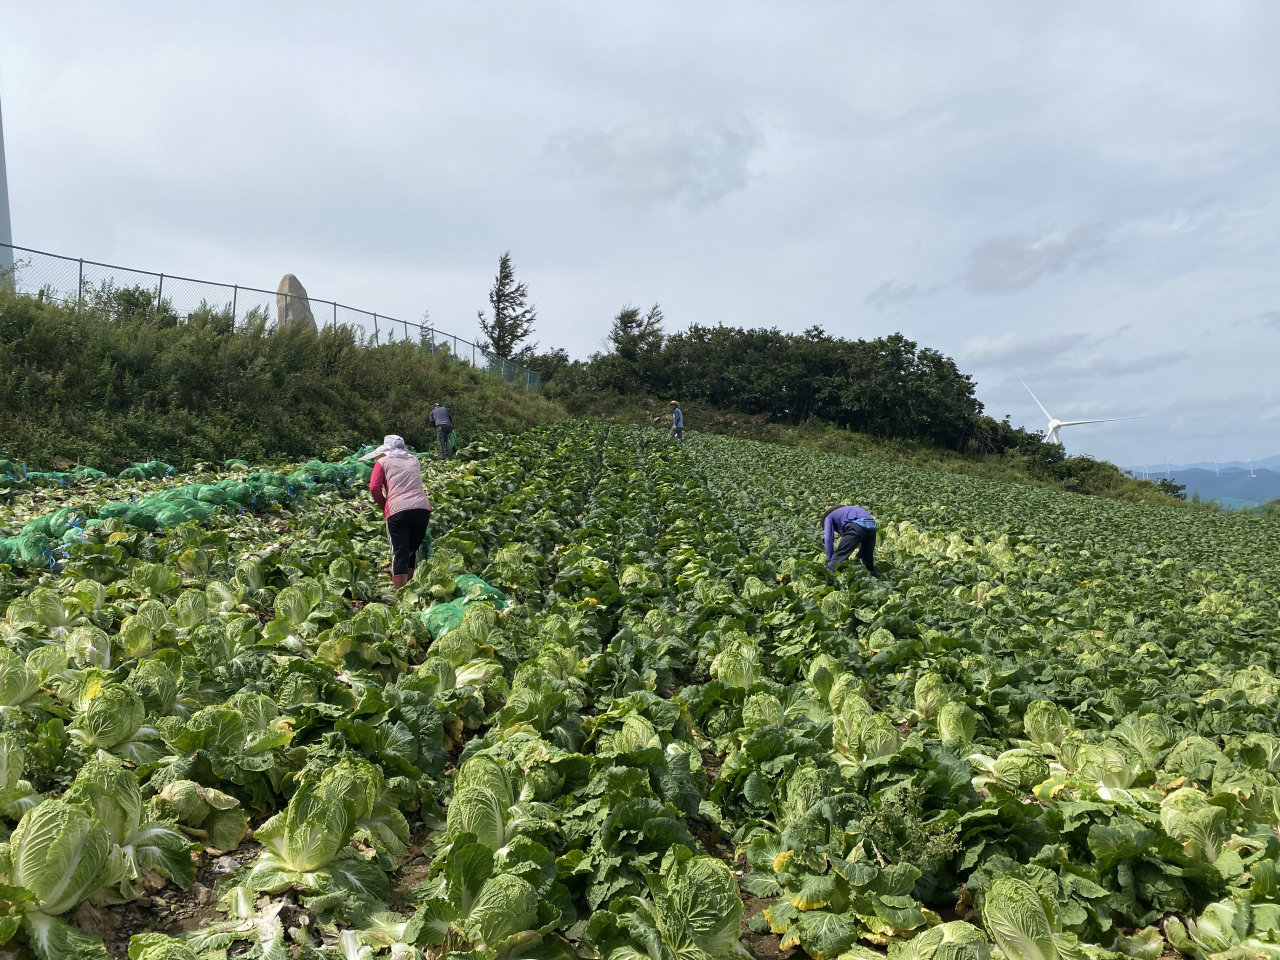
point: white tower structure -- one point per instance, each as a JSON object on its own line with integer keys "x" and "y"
{"x": 6, "y": 232}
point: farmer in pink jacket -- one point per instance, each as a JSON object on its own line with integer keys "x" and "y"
{"x": 396, "y": 486}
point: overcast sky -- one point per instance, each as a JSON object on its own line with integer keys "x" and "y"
{"x": 1080, "y": 195}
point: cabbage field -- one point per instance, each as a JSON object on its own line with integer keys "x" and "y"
{"x": 625, "y": 713}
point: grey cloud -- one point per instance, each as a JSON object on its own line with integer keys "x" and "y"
{"x": 660, "y": 161}
{"x": 1011, "y": 263}
{"x": 894, "y": 145}
{"x": 1014, "y": 351}
{"x": 892, "y": 296}
{"x": 1150, "y": 363}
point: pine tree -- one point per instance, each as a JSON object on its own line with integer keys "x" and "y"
{"x": 513, "y": 318}
{"x": 633, "y": 334}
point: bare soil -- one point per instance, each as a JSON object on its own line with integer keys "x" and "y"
{"x": 764, "y": 946}
{"x": 170, "y": 909}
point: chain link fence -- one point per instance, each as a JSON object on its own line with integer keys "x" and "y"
{"x": 86, "y": 283}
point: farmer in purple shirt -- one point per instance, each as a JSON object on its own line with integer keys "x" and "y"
{"x": 857, "y": 529}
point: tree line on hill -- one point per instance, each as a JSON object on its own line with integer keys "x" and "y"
{"x": 887, "y": 387}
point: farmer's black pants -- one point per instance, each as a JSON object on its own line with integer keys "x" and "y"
{"x": 442, "y": 438}
{"x": 406, "y": 530}
{"x": 856, "y": 536}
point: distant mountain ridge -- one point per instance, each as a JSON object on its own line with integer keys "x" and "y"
{"x": 1227, "y": 484}
{"x": 1154, "y": 469}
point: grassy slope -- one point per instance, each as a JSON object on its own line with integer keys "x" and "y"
{"x": 818, "y": 436}
{"x": 99, "y": 388}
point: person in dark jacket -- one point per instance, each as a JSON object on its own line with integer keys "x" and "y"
{"x": 857, "y": 529}
{"x": 443, "y": 423}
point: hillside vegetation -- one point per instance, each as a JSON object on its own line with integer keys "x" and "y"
{"x": 887, "y": 398}
{"x": 1035, "y": 463}
{"x": 120, "y": 380}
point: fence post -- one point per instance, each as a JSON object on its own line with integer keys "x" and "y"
{"x": 235, "y": 303}
{"x": 160, "y": 295}
{"x": 375, "y": 328}
{"x": 80, "y": 286}
{"x": 335, "y": 315}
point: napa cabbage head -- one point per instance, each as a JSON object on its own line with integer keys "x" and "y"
{"x": 1201, "y": 827}
{"x": 490, "y": 773}
{"x": 822, "y": 673}
{"x": 1016, "y": 917}
{"x": 636, "y": 733}
{"x": 956, "y": 940}
{"x": 846, "y": 684}
{"x": 478, "y": 811}
{"x": 1104, "y": 765}
{"x": 110, "y": 718}
{"x": 696, "y": 907}
{"x": 1013, "y": 769}
{"x": 807, "y": 786}
{"x": 17, "y": 795}
{"x": 1046, "y": 723}
{"x": 957, "y": 724}
{"x": 309, "y": 832}
{"x": 150, "y": 850}
{"x": 931, "y": 694}
{"x": 363, "y": 786}
{"x": 1221, "y": 931}
{"x": 61, "y": 854}
{"x": 761, "y": 709}
{"x": 877, "y": 737}
{"x": 854, "y": 710}
{"x": 505, "y": 906}
{"x": 18, "y": 683}
{"x": 738, "y": 665}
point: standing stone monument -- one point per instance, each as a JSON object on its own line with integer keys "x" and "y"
{"x": 6, "y": 235}
{"x": 292, "y": 305}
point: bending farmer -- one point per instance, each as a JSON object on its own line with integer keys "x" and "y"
{"x": 443, "y": 423}
{"x": 396, "y": 486}
{"x": 857, "y": 530}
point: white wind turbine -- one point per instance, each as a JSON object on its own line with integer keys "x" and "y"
{"x": 1055, "y": 424}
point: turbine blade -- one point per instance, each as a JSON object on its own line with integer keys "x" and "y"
{"x": 1073, "y": 423}
{"x": 1037, "y": 400}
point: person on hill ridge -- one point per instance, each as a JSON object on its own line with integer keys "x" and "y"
{"x": 443, "y": 423}
{"x": 396, "y": 487}
{"x": 857, "y": 529}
